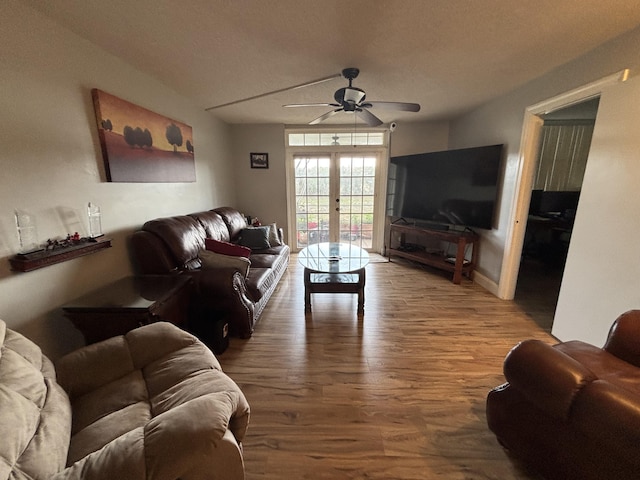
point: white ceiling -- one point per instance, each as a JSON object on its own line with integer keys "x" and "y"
{"x": 447, "y": 55}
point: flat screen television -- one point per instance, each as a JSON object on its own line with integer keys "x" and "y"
{"x": 453, "y": 187}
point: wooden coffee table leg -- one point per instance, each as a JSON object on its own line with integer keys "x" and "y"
{"x": 361, "y": 281}
{"x": 307, "y": 290}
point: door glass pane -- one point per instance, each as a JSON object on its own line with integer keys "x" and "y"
{"x": 336, "y": 138}
{"x": 312, "y": 199}
{"x": 357, "y": 181}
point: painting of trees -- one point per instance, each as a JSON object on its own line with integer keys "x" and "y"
{"x": 139, "y": 145}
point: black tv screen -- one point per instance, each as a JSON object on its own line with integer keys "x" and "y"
{"x": 453, "y": 187}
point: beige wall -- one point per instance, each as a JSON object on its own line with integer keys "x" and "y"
{"x": 52, "y": 166}
{"x": 591, "y": 296}
{"x": 419, "y": 137}
{"x": 261, "y": 192}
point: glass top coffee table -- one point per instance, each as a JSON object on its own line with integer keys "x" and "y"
{"x": 333, "y": 268}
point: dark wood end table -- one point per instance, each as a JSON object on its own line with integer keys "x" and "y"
{"x": 129, "y": 303}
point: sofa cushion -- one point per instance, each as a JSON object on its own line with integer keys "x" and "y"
{"x": 226, "y": 248}
{"x": 259, "y": 281}
{"x": 213, "y": 224}
{"x": 270, "y": 257}
{"x": 218, "y": 260}
{"x": 234, "y": 219}
{"x": 107, "y": 428}
{"x": 264, "y": 260}
{"x": 274, "y": 238}
{"x": 35, "y": 414}
{"x": 108, "y": 398}
{"x": 256, "y": 238}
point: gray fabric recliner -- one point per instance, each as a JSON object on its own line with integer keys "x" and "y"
{"x": 151, "y": 404}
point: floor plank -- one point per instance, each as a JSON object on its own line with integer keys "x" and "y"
{"x": 397, "y": 393}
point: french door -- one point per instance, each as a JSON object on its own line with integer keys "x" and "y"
{"x": 334, "y": 198}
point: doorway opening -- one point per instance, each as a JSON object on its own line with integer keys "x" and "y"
{"x": 563, "y": 149}
{"x": 526, "y": 170}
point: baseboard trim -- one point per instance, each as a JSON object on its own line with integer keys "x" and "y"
{"x": 486, "y": 283}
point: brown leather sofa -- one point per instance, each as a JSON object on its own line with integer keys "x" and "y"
{"x": 174, "y": 245}
{"x": 572, "y": 410}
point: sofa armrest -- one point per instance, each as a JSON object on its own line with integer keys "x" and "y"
{"x": 193, "y": 439}
{"x": 225, "y": 289}
{"x": 151, "y": 255}
{"x": 624, "y": 338}
{"x": 548, "y": 378}
{"x": 217, "y": 282}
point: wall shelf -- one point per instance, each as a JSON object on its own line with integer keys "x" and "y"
{"x": 43, "y": 258}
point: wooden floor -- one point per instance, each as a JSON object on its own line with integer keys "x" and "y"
{"x": 398, "y": 393}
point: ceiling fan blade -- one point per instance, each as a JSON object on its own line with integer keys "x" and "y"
{"x": 327, "y": 115}
{"x": 286, "y": 89}
{"x": 369, "y": 118}
{"x": 293, "y": 105}
{"x": 402, "y": 106}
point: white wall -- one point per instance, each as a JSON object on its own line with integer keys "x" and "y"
{"x": 52, "y": 166}
{"x": 590, "y": 297}
{"x": 603, "y": 265}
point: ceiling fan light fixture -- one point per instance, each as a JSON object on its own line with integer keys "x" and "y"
{"x": 349, "y": 97}
{"x": 353, "y": 95}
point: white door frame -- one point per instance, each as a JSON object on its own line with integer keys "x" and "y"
{"x": 528, "y": 157}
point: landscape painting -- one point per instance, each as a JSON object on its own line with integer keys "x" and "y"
{"x": 139, "y": 145}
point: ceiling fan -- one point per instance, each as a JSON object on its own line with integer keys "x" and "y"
{"x": 352, "y": 99}
{"x": 348, "y": 99}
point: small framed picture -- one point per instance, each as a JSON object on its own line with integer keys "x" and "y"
{"x": 259, "y": 160}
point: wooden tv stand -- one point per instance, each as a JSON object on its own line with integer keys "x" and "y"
{"x": 415, "y": 249}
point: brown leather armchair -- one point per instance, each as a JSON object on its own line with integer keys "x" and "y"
{"x": 572, "y": 410}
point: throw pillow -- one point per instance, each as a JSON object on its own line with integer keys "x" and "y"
{"x": 256, "y": 238}
{"x": 218, "y": 260}
{"x": 274, "y": 238}
{"x": 226, "y": 248}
